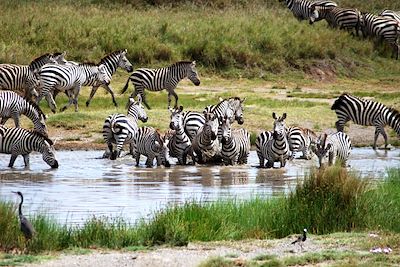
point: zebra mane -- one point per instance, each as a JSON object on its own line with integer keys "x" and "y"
{"x": 56, "y": 54}
{"x": 90, "y": 64}
{"x": 38, "y": 59}
{"x": 118, "y": 52}
{"x": 38, "y": 134}
{"x": 183, "y": 62}
{"x": 394, "y": 111}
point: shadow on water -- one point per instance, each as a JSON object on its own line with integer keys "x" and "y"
{"x": 83, "y": 185}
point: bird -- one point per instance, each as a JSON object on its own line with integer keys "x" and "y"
{"x": 301, "y": 239}
{"x": 25, "y": 225}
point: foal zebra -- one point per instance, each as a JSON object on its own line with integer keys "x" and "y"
{"x": 19, "y": 141}
{"x": 150, "y": 143}
{"x": 382, "y": 27}
{"x": 69, "y": 77}
{"x": 301, "y": 8}
{"x": 120, "y": 129}
{"x": 300, "y": 139}
{"x": 13, "y": 105}
{"x": 344, "y": 18}
{"x": 179, "y": 144}
{"x": 366, "y": 112}
{"x": 23, "y": 77}
{"x": 205, "y": 143}
{"x": 235, "y": 144}
{"x": 277, "y": 147}
{"x": 335, "y": 146}
{"x": 163, "y": 78}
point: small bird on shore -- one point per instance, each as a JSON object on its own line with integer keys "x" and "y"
{"x": 301, "y": 239}
{"x": 26, "y": 226}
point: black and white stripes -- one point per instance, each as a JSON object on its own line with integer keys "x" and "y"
{"x": 235, "y": 144}
{"x": 301, "y": 8}
{"x": 205, "y": 143}
{"x": 335, "y": 147}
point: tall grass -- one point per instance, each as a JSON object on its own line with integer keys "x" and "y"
{"x": 326, "y": 201}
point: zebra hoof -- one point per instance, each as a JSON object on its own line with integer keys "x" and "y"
{"x": 87, "y": 104}
{"x": 113, "y": 155}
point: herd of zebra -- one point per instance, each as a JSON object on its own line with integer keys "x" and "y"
{"x": 204, "y": 137}
{"x": 384, "y": 26}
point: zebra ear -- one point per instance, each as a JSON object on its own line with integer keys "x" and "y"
{"x": 171, "y": 110}
{"x": 283, "y": 116}
{"x": 131, "y": 100}
{"x": 194, "y": 63}
{"x": 220, "y": 99}
{"x": 274, "y": 116}
{"x": 139, "y": 98}
{"x": 241, "y": 101}
{"x": 180, "y": 108}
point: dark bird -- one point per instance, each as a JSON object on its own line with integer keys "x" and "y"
{"x": 26, "y": 227}
{"x": 301, "y": 239}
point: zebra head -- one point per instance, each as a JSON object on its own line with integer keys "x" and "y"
{"x": 226, "y": 130}
{"x": 48, "y": 153}
{"x": 237, "y": 104}
{"x": 136, "y": 109}
{"x": 59, "y": 58}
{"x": 176, "y": 118}
{"x": 192, "y": 73}
{"x": 211, "y": 125}
{"x": 102, "y": 75}
{"x": 32, "y": 83}
{"x": 123, "y": 62}
{"x": 321, "y": 149}
{"x": 279, "y": 125}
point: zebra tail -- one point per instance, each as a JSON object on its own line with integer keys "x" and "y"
{"x": 113, "y": 127}
{"x": 338, "y": 102}
{"x": 126, "y": 86}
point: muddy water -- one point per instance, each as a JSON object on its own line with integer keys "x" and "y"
{"x": 84, "y": 185}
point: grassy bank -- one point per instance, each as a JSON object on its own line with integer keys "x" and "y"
{"x": 331, "y": 200}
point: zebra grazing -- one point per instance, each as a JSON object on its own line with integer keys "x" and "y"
{"x": 335, "y": 146}
{"x": 300, "y": 139}
{"x": 179, "y": 144}
{"x": 23, "y": 78}
{"x": 390, "y": 14}
{"x": 150, "y": 143}
{"x": 120, "y": 129}
{"x": 384, "y": 28}
{"x": 337, "y": 17}
{"x": 261, "y": 145}
{"x": 13, "y": 105}
{"x": 366, "y": 112}
{"x": 205, "y": 144}
{"x": 301, "y": 8}
{"x": 235, "y": 144}
{"x": 19, "y": 141}
{"x": 277, "y": 148}
{"x": 163, "y": 78}
{"x": 69, "y": 77}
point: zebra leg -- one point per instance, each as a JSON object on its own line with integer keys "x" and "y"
{"x": 92, "y": 93}
{"x": 26, "y": 160}
{"x": 137, "y": 156}
{"x": 269, "y": 164}
{"x": 150, "y": 160}
{"x": 261, "y": 159}
{"x": 12, "y": 160}
{"x": 377, "y": 131}
{"x": 108, "y": 89}
{"x": 132, "y": 150}
{"x": 50, "y": 100}
{"x": 16, "y": 120}
{"x": 339, "y": 126}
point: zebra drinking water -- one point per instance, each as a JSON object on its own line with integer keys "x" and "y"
{"x": 205, "y": 144}
{"x": 69, "y": 77}
{"x": 366, "y": 112}
{"x": 300, "y": 139}
{"x": 179, "y": 144}
{"x": 13, "y": 105}
{"x": 120, "y": 129}
{"x": 335, "y": 146}
{"x": 19, "y": 141}
{"x": 150, "y": 143}
{"x": 163, "y": 78}
{"x": 235, "y": 144}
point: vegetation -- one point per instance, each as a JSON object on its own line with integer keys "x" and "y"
{"x": 329, "y": 200}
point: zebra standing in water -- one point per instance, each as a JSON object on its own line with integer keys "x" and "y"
{"x": 19, "y": 141}
{"x": 277, "y": 148}
{"x": 235, "y": 144}
{"x": 300, "y": 139}
{"x": 301, "y": 8}
{"x": 120, "y": 129}
{"x": 335, "y": 146}
{"x": 13, "y": 105}
{"x": 261, "y": 145}
{"x": 23, "y": 77}
{"x": 150, "y": 143}
{"x": 205, "y": 144}
{"x": 193, "y": 121}
{"x": 383, "y": 28}
{"x": 344, "y": 18}
{"x": 69, "y": 77}
{"x": 179, "y": 144}
{"x": 366, "y": 112}
{"x": 163, "y": 78}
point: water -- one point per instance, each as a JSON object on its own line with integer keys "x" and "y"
{"x": 84, "y": 185}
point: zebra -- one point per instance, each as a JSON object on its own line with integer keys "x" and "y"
{"x": 19, "y": 141}
{"x": 13, "y": 105}
{"x": 179, "y": 143}
{"x": 193, "y": 121}
{"x": 23, "y": 78}
{"x": 235, "y": 144}
{"x": 344, "y": 18}
{"x": 231, "y": 107}
{"x": 163, "y": 78}
{"x": 385, "y": 28}
{"x": 301, "y": 8}
{"x": 120, "y": 129}
{"x": 390, "y": 14}
{"x": 205, "y": 144}
{"x": 366, "y": 112}
{"x": 277, "y": 148}
{"x": 150, "y": 143}
{"x": 261, "y": 144}
{"x": 69, "y": 77}
{"x": 336, "y": 146}
{"x": 300, "y": 139}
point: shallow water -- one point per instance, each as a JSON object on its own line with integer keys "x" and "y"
{"x": 85, "y": 185}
